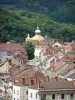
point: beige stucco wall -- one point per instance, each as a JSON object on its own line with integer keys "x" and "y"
{"x": 5, "y": 67}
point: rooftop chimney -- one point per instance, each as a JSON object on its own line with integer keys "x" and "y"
{"x": 56, "y": 78}
{"x": 14, "y": 80}
{"x": 74, "y": 83}
{"x": 38, "y": 84}
{"x": 31, "y": 82}
{"x": 48, "y": 78}
{"x": 36, "y": 80}
{"x": 23, "y": 81}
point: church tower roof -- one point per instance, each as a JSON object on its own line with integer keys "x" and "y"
{"x": 28, "y": 38}
{"x": 37, "y": 36}
{"x": 37, "y": 31}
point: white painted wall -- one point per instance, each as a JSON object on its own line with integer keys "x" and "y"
{"x": 37, "y": 52}
{"x": 34, "y": 92}
{"x": 48, "y": 96}
{"x": 21, "y": 95}
{"x": 16, "y": 96}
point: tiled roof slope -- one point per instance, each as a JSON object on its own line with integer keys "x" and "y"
{"x": 29, "y": 73}
{"x": 11, "y": 47}
{"x": 56, "y": 85}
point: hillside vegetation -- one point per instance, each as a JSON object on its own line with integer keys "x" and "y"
{"x": 16, "y": 24}
{"x": 59, "y": 10}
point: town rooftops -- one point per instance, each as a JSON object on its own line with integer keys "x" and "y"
{"x": 56, "y": 85}
{"x": 28, "y": 77}
{"x": 67, "y": 59}
{"x": 11, "y": 47}
{"x": 29, "y": 73}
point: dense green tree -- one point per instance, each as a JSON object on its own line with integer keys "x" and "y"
{"x": 16, "y": 24}
{"x": 30, "y": 49}
{"x": 12, "y": 41}
{"x": 3, "y": 35}
{"x": 59, "y": 10}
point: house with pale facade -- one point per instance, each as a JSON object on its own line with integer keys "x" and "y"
{"x": 55, "y": 89}
{"x": 23, "y": 80}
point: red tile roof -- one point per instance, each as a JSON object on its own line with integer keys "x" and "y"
{"x": 56, "y": 85}
{"x": 11, "y": 47}
{"x": 29, "y": 73}
{"x": 57, "y": 66}
{"x": 66, "y": 59}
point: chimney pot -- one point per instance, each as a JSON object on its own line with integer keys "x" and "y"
{"x": 74, "y": 83}
{"x": 31, "y": 82}
{"x": 48, "y": 78}
{"x": 14, "y": 80}
{"x": 23, "y": 81}
{"x": 36, "y": 80}
{"x": 56, "y": 78}
{"x": 38, "y": 84}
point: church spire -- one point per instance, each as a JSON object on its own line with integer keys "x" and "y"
{"x": 37, "y": 31}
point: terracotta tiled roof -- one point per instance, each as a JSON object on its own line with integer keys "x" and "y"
{"x": 66, "y": 59}
{"x": 29, "y": 73}
{"x": 56, "y": 85}
{"x": 57, "y": 66}
{"x": 21, "y": 57}
{"x": 11, "y": 47}
{"x": 59, "y": 84}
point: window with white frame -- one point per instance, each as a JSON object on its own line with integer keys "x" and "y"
{"x": 36, "y": 96}
{"x": 26, "y": 92}
{"x": 71, "y": 96}
{"x": 14, "y": 98}
{"x": 17, "y": 92}
{"x": 31, "y": 95}
{"x": 14, "y": 91}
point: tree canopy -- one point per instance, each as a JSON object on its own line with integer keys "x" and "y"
{"x": 29, "y": 49}
{"x": 16, "y": 24}
{"x": 59, "y": 10}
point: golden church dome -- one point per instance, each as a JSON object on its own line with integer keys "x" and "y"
{"x": 37, "y": 36}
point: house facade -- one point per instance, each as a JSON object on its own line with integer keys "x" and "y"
{"x": 20, "y": 93}
{"x": 51, "y": 95}
{"x": 60, "y": 90}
